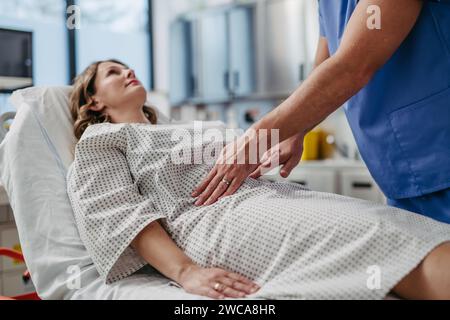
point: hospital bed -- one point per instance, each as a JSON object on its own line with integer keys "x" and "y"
{"x": 34, "y": 158}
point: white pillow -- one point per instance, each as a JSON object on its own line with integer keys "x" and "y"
{"x": 54, "y": 117}
{"x": 34, "y": 158}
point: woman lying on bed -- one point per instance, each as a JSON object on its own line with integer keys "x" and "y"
{"x": 133, "y": 207}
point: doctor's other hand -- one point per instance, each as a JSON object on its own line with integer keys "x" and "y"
{"x": 215, "y": 283}
{"x": 287, "y": 154}
{"x": 233, "y": 166}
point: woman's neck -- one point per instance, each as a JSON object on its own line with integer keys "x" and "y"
{"x": 130, "y": 117}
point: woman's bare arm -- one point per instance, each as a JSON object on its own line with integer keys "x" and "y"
{"x": 160, "y": 251}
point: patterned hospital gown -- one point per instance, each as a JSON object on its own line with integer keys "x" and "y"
{"x": 295, "y": 243}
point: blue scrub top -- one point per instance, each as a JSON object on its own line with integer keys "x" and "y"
{"x": 401, "y": 119}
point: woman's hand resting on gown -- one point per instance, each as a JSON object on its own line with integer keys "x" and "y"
{"x": 215, "y": 283}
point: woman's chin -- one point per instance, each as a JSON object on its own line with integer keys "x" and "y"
{"x": 136, "y": 91}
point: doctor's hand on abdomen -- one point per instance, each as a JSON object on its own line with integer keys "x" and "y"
{"x": 287, "y": 154}
{"x": 238, "y": 161}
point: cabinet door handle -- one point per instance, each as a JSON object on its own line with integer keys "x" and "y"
{"x": 301, "y": 72}
{"x": 226, "y": 80}
{"x": 362, "y": 185}
{"x": 236, "y": 80}
{"x": 193, "y": 86}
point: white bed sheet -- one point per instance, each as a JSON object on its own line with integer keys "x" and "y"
{"x": 141, "y": 286}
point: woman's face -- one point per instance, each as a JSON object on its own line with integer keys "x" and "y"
{"x": 117, "y": 89}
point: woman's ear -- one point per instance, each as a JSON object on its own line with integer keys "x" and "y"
{"x": 96, "y": 105}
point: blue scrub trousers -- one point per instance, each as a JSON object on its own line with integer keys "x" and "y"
{"x": 434, "y": 205}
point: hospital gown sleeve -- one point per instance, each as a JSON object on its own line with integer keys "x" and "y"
{"x": 109, "y": 209}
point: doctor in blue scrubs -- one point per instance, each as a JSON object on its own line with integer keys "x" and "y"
{"x": 395, "y": 82}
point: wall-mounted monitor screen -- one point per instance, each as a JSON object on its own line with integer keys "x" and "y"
{"x": 16, "y": 60}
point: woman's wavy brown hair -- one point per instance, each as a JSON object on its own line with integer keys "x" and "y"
{"x": 81, "y": 99}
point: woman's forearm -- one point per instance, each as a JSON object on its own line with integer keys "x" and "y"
{"x": 161, "y": 252}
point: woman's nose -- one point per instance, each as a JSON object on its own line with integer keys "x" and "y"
{"x": 130, "y": 73}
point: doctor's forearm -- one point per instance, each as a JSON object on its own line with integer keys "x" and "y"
{"x": 330, "y": 85}
{"x": 161, "y": 252}
{"x": 343, "y": 75}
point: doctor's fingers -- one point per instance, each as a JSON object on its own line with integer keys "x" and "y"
{"x": 270, "y": 154}
{"x": 287, "y": 168}
{"x": 260, "y": 171}
{"x": 270, "y": 161}
{"x": 264, "y": 168}
{"x": 257, "y": 173}
{"x": 265, "y": 162}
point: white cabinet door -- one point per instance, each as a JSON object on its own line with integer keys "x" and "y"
{"x": 181, "y": 75}
{"x": 285, "y": 59}
{"x": 351, "y": 181}
{"x": 213, "y": 56}
{"x": 322, "y": 180}
{"x": 360, "y": 184}
{"x": 241, "y": 46}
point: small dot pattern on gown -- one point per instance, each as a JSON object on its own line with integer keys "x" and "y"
{"x": 294, "y": 242}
